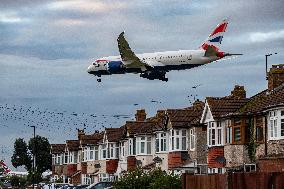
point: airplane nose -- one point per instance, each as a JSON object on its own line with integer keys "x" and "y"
{"x": 89, "y": 69}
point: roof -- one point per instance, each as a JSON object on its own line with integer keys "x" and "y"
{"x": 91, "y": 139}
{"x": 72, "y": 145}
{"x": 141, "y": 127}
{"x": 222, "y": 106}
{"x": 186, "y": 117}
{"x": 57, "y": 148}
{"x": 264, "y": 100}
{"x": 115, "y": 134}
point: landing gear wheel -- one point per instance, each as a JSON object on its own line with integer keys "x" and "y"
{"x": 99, "y": 80}
{"x": 165, "y": 79}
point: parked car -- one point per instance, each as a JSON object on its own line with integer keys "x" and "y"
{"x": 82, "y": 186}
{"x": 100, "y": 185}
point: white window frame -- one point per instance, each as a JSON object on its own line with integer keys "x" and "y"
{"x": 112, "y": 150}
{"x": 66, "y": 157}
{"x": 131, "y": 147}
{"x": 147, "y": 143}
{"x": 103, "y": 150}
{"x": 161, "y": 142}
{"x": 122, "y": 149}
{"x": 178, "y": 140}
{"x": 71, "y": 157}
{"x": 192, "y": 142}
{"x": 53, "y": 159}
{"x": 276, "y": 124}
{"x": 215, "y": 134}
{"x": 58, "y": 159}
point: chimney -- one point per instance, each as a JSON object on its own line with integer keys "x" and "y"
{"x": 238, "y": 92}
{"x": 198, "y": 104}
{"x": 81, "y": 132}
{"x": 140, "y": 115}
{"x": 275, "y": 76}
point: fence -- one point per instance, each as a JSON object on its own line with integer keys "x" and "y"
{"x": 253, "y": 180}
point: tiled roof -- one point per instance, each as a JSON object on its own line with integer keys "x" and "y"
{"x": 57, "y": 148}
{"x": 185, "y": 117}
{"x": 159, "y": 118}
{"x": 91, "y": 139}
{"x": 264, "y": 100}
{"x": 141, "y": 127}
{"x": 72, "y": 145}
{"x": 226, "y": 105}
{"x": 115, "y": 134}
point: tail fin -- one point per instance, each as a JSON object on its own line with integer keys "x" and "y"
{"x": 215, "y": 38}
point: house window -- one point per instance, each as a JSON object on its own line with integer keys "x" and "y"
{"x": 71, "y": 157}
{"x": 178, "y": 140}
{"x": 103, "y": 151}
{"x": 65, "y": 158}
{"x": 53, "y": 159}
{"x": 112, "y": 151}
{"x": 122, "y": 149}
{"x": 96, "y": 153}
{"x": 58, "y": 159}
{"x": 143, "y": 144}
{"x": 191, "y": 139}
{"x": 228, "y": 131}
{"x": 161, "y": 142}
{"x": 259, "y": 129}
{"x": 237, "y": 134}
{"x": 215, "y": 134}
{"x": 276, "y": 124}
{"x": 79, "y": 157}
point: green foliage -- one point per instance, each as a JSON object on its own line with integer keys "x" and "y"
{"x": 23, "y": 156}
{"x": 155, "y": 179}
{"x": 251, "y": 145}
{"x": 17, "y": 181}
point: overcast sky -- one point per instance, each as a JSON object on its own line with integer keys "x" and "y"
{"x": 46, "y": 47}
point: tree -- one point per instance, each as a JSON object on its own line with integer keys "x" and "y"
{"x": 23, "y": 156}
{"x": 155, "y": 179}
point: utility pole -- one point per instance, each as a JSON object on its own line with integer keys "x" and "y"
{"x": 266, "y": 57}
{"x": 33, "y": 159}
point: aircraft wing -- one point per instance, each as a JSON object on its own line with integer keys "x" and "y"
{"x": 128, "y": 56}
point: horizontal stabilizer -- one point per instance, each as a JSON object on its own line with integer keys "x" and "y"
{"x": 229, "y": 54}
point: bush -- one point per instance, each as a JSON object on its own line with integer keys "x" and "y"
{"x": 155, "y": 179}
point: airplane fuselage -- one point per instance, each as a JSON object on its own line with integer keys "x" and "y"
{"x": 159, "y": 61}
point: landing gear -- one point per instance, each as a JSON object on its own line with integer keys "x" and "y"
{"x": 151, "y": 75}
{"x": 99, "y": 79}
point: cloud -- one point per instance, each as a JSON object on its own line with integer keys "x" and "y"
{"x": 266, "y": 36}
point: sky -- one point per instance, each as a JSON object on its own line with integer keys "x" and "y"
{"x": 47, "y": 45}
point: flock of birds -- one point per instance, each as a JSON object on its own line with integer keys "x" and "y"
{"x": 55, "y": 125}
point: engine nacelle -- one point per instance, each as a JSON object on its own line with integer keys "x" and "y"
{"x": 116, "y": 67}
{"x": 151, "y": 75}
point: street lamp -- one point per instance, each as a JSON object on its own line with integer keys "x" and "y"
{"x": 267, "y": 55}
{"x": 33, "y": 158}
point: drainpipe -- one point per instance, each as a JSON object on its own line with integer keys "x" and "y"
{"x": 265, "y": 135}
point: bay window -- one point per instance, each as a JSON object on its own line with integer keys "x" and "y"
{"x": 112, "y": 151}
{"x": 276, "y": 124}
{"x": 143, "y": 144}
{"x": 215, "y": 134}
{"x": 103, "y": 151}
{"x": 178, "y": 140}
{"x": 192, "y": 139}
{"x": 131, "y": 146}
{"x": 161, "y": 142}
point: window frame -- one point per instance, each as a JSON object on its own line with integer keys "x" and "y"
{"x": 146, "y": 140}
{"x": 275, "y": 121}
{"x": 178, "y": 140}
{"x": 161, "y": 142}
{"x": 192, "y": 142}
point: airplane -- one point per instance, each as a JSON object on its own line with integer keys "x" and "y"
{"x": 155, "y": 65}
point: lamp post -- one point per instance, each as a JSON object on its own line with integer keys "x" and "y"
{"x": 266, "y": 57}
{"x": 33, "y": 158}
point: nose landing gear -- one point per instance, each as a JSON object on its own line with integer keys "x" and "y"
{"x": 99, "y": 80}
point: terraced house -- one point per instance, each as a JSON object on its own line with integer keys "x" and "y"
{"x": 230, "y": 133}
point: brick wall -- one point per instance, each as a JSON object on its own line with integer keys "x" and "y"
{"x": 275, "y": 76}
{"x": 71, "y": 169}
{"x": 235, "y": 155}
{"x": 215, "y": 154}
{"x": 271, "y": 165}
{"x": 57, "y": 169}
{"x": 84, "y": 167}
{"x": 131, "y": 162}
{"x": 176, "y": 159}
{"x": 76, "y": 179}
{"x": 201, "y": 144}
{"x": 111, "y": 166}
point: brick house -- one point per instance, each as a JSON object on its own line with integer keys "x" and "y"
{"x": 221, "y": 130}
{"x": 187, "y": 138}
{"x": 57, "y": 151}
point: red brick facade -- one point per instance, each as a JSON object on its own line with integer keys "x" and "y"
{"x": 131, "y": 163}
{"x": 111, "y": 166}
{"x": 71, "y": 169}
{"x": 84, "y": 167}
{"x": 216, "y": 157}
{"x": 271, "y": 165}
{"x": 175, "y": 159}
{"x": 57, "y": 169}
{"x": 76, "y": 179}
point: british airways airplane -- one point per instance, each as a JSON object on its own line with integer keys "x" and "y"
{"x": 155, "y": 65}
